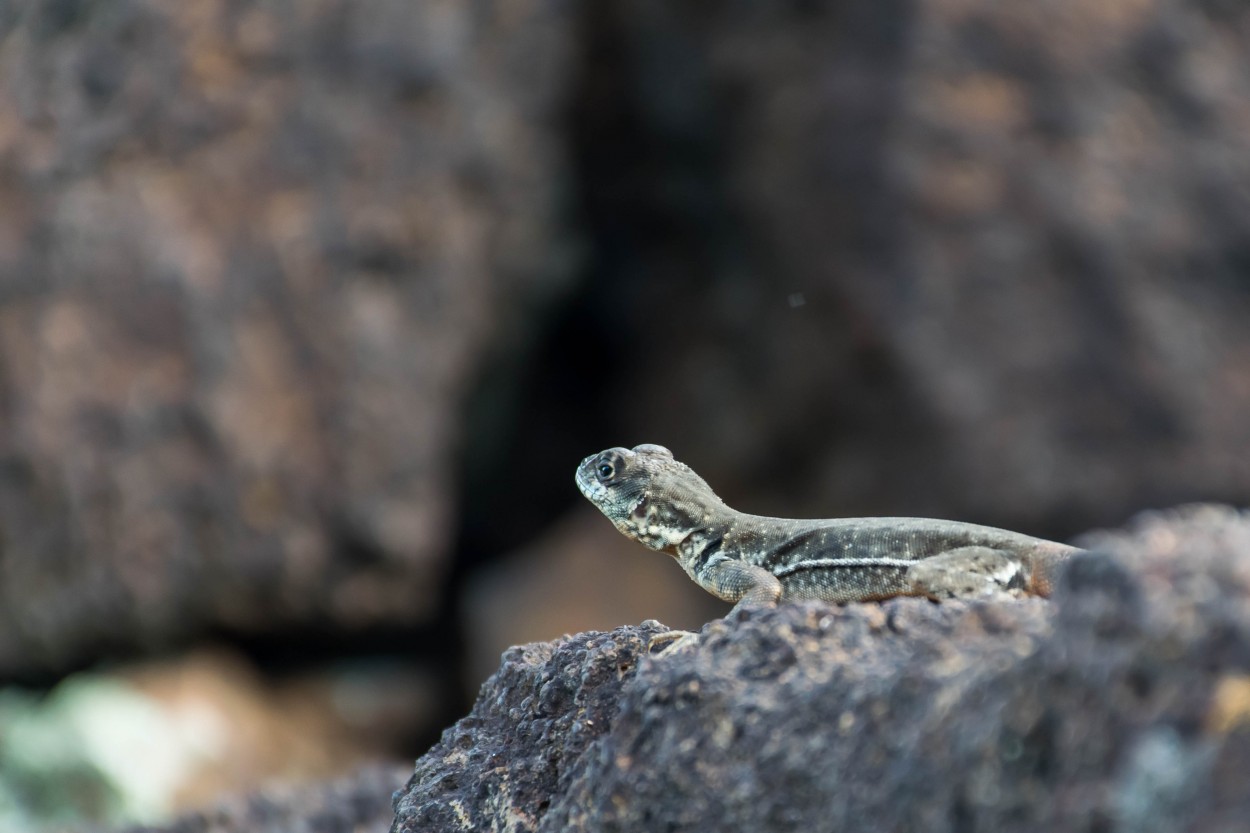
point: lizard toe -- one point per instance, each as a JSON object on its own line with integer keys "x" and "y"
{"x": 677, "y": 641}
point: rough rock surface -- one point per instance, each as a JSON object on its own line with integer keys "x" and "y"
{"x": 250, "y": 257}
{"x": 534, "y": 720}
{"x": 1123, "y": 704}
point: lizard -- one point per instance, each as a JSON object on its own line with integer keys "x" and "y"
{"x": 752, "y": 560}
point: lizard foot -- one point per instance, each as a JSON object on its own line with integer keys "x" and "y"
{"x": 678, "y": 641}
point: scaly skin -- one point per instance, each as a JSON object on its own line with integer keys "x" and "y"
{"x": 753, "y": 560}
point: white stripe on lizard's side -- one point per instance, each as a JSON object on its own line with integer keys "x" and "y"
{"x": 840, "y": 563}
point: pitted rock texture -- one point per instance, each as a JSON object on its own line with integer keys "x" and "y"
{"x": 1123, "y": 704}
{"x": 251, "y": 255}
{"x": 534, "y": 720}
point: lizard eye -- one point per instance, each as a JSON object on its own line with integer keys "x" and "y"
{"x": 605, "y": 470}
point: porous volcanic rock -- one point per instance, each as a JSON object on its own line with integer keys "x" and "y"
{"x": 1123, "y": 703}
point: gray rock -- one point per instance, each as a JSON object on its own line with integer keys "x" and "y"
{"x": 533, "y": 723}
{"x": 1122, "y": 704}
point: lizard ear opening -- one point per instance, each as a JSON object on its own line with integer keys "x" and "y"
{"x": 651, "y": 448}
{"x": 639, "y": 510}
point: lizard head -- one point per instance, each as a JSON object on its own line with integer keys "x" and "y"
{"x": 648, "y": 495}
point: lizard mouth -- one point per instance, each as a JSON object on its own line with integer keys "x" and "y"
{"x": 587, "y": 484}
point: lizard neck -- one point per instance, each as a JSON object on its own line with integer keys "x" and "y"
{"x": 676, "y": 523}
{"x": 710, "y": 538}
{"x": 754, "y": 539}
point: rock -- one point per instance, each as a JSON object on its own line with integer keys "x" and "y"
{"x": 1123, "y": 703}
{"x": 149, "y": 742}
{"x": 252, "y": 256}
{"x": 534, "y": 720}
{"x": 352, "y": 804}
{"x": 956, "y": 257}
{"x": 556, "y": 586}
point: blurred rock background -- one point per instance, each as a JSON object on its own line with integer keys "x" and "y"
{"x": 309, "y": 309}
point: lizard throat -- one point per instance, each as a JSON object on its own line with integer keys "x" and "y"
{"x": 656, "y": 525}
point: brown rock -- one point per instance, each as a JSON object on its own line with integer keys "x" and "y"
{"x": 954, "y": 258}
{"x": 250, "y": 257}
{"x": 351, "y": 804}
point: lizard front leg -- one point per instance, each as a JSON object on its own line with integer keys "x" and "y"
{"x": 968, "y": 572}
{"x": 746, "y": 585}
{"x": 733, "y": 581}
